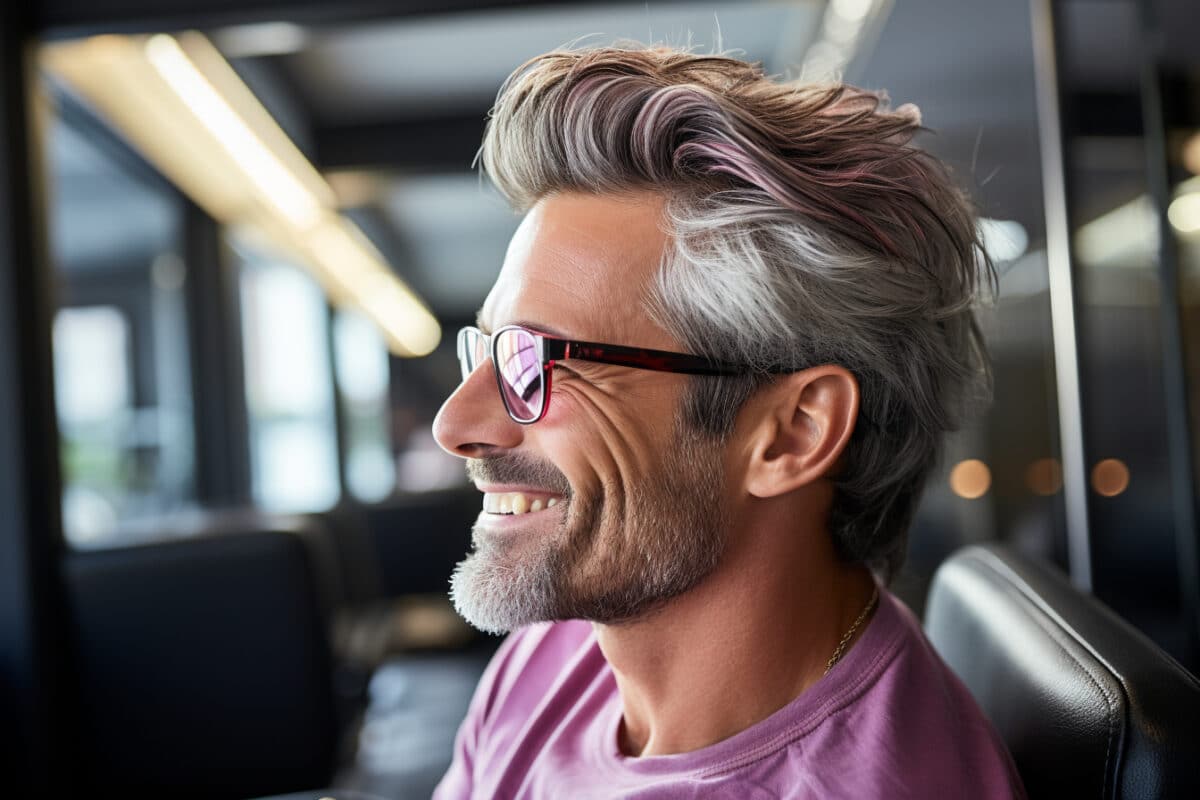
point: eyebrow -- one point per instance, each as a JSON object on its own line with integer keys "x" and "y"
{"x": 536, "y": 326}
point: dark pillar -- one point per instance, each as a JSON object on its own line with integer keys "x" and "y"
{"x": 218, "y": 377}
{"x": 35, "y": 727}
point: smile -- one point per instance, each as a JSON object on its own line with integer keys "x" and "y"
{"x": 516, "y": 503}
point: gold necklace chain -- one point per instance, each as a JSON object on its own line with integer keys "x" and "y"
{"x": 841, "y": 648}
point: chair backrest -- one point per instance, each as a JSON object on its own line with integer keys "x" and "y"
{"x": 204, "y": 666}
{"x": 418, "y": 538}
{"x": 1088, "y": 706}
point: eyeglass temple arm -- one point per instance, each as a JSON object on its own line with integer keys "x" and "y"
{"x": 637, "y": 357}
{"x": 659, "y": 360}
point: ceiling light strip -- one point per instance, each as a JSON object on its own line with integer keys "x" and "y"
{"x": 178, "y": 101}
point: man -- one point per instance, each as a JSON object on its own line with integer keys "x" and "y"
{"x": 703, "y": 397}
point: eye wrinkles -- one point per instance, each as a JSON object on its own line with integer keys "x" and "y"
{"x": 616, "y": 402}
{"x": 610, "y": 380}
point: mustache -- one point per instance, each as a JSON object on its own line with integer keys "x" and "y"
{"x": 519, "y": 469}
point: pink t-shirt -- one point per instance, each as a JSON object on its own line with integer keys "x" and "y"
{"x": 889, "y": 721}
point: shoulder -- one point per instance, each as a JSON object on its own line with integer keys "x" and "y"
{"x": 914, "y": 727}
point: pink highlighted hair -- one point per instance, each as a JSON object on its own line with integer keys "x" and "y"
{"x": 807, "y": 229}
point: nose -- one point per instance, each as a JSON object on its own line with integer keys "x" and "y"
{"x": 472, "y": 423}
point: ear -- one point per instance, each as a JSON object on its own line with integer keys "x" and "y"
{"x": 804, "y": 423}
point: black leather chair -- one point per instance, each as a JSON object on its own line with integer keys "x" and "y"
{"x": 418, "y": 538}
{"x": 203, "y": 664}
{"x": 1089, "y": 706}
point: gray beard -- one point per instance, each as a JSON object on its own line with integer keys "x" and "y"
{"x": 607, "y": 561}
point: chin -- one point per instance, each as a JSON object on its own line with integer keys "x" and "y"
{"x": 498, "y": 597}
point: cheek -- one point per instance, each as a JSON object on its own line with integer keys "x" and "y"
{"x": 607, "y": 438}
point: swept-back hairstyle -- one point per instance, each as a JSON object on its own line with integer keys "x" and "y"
{"x": 806, "y": 229}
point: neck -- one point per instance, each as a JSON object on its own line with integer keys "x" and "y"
{"x": 741, "y": 645}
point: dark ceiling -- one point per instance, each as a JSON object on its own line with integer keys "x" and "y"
{"x": 390, "y": 97}
{"x": 405, "y": 101}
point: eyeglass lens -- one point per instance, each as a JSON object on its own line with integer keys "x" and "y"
{"x": 520, "y": 369}
{"x": 517, "y": 363}
{"x": 472, "y": 350}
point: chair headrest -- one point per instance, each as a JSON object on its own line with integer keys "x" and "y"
{"x": 1088, "y": 706}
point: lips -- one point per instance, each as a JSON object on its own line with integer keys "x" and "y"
{"x": 514, "y": 503}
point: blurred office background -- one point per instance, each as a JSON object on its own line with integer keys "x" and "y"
{"x": 264, "y": 228}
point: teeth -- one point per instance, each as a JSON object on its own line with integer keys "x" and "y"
{"x": 515, "y": 503}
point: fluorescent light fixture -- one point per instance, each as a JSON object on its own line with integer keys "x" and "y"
{"x": 843, "y": 28}
{"x": 1184, "y": 213}
{"x": 178, "y": 101}
{"x": 840, "y": 31}
{"x": 1124, "y": 237}
{"x": 1004, "y": 239}
{"x": 852, "y": 10}
{"x": 261, "y": 39}
{"x": 355, "y": 274}
{"x": 277, "y": 184}
{"x": 355, "y": 188}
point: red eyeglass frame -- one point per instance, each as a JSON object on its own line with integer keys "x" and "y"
{"x": 551, "y": 349}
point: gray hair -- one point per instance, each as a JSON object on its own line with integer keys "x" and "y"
{"x": 807, "y": 230}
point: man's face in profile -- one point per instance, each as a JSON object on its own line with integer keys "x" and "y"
{"x": 631, "y": 504}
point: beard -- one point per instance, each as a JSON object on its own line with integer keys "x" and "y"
{"x": 614, "y": 556}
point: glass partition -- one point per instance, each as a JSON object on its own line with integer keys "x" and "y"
{"x": 363, "y": 376}
{"x": 121, "y": 358}
{"x": 289, "y": 385}
{"x": 1119, "y": 180}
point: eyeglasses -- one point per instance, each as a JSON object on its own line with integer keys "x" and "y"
{"x": 525, "y": 360}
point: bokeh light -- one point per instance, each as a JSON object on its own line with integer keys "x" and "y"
{"x": 1044, "y": 477}
{"x": 1110, "y": 477}
{"x": 970, "y": 479}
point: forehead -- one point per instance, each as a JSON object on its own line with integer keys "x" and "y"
{"x": 581, "y": 265}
